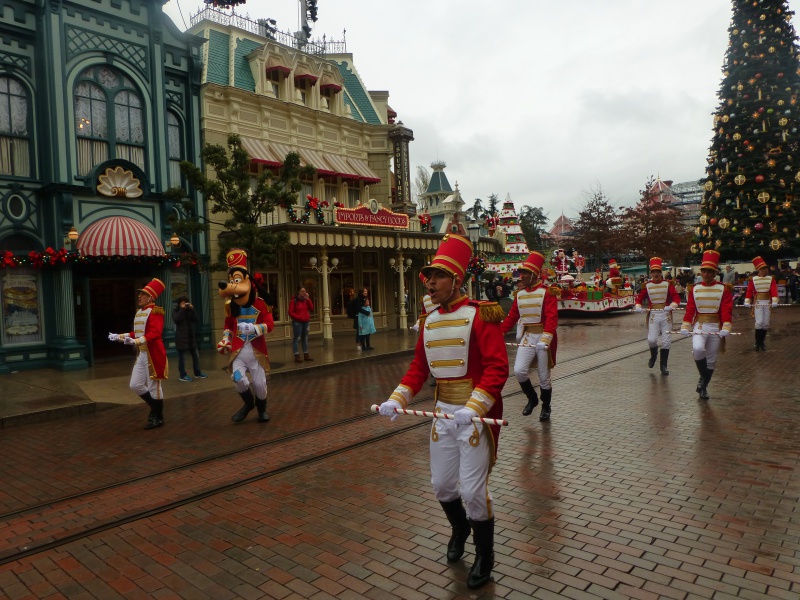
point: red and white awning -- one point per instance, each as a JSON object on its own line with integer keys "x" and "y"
{"x": 119, "y": 236}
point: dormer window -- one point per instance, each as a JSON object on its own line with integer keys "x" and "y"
{"x": 304, "y": 80}
{"x": 276, "y": 73}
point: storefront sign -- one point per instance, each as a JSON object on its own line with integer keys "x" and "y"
{"x": 372, "y": 215}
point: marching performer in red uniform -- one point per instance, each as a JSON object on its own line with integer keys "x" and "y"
{"x": 247, "y": 319}
{"x": 709, "y": 310}
{"x": 764, "y": 290}
{"x": 151, "y": 365}
{"x": 462, "y": 346}
{"x": 536, "y": 309}
{"x": 663, "y": 299}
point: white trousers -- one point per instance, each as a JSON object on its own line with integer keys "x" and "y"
{"x": 659, "y": 323}
{"x": 140, "y": 379}
{"x": 459, "y": 468}
{"x": 245, "y": 362}
{"x": 525, "y": 356}
{"x": 761, "y": 311}
{"x": 706, "y": 346}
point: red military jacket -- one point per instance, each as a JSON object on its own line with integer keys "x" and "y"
{"x": 264, "y": 324}
{"x": 487, "y": 362}
{"x": 672, "y": 296}
{"x": 724, "y": 312}
{"x": 153, "y": 317}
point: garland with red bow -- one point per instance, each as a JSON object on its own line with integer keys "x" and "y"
{"x": 311, "y": 204}
{"x": 51, "y": 258}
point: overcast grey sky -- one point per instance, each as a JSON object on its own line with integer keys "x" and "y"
{"x": 543, "y": 100}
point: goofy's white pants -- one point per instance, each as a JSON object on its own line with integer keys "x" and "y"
{"x": 245, "y": 362}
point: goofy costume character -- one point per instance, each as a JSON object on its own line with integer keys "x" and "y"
{"x": 247, "y": 320}
{"x": 151, "y": 365}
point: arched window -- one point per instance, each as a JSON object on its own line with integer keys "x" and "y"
{"x": 175, "y": 135}
{"x": 15, "y": 149}
{"x": 102, "y": 135}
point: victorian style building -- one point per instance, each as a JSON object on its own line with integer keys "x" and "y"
{"x": 99, "y": 101}
{"x": 282, "y": 94}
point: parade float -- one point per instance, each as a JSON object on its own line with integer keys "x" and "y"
{"x": 589, "y": 297}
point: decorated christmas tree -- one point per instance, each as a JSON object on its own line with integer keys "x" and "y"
{"x": 753, "y": 174}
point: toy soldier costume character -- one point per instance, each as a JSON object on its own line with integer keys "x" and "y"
{"x": 535, "y": 308}
{"x": 764, "y": 290}
{"x": 709, "y": 310}
{"x": 462, "y": 346}
{"x": 247, "y": 320}
{"x": 663, "y": 299}
{"x": 151, "y": 365}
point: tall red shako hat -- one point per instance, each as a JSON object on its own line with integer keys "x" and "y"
{"x": 452, "y": 256}
{"x": 236, "y": 258}
{"x": 655, "y": 264}
{"x": 710, "y": 260}
{"x": 533, "y": 263}
{"x": 759, "y": 263}
{"x": 154, "y": 289}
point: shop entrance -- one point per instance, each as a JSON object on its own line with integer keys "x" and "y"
{"x": 105, "y": 306}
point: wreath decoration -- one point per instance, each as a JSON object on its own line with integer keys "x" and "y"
{"x": 311, "y": 204}
{"x": 476, "y": 265}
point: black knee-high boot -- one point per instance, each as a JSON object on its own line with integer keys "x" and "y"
{"x": 763, "y": 333}
{"x": 157, "y": 420}
{"x": 249, "y": 404}
{"x": 547, "y": 395}
{"x": 149, "y": 400}
{"x": 533, "y": 399}
{"x": 664, "y": 359}
{"x": 481, "y": 571}
{"x": 757, "y": 344}
{"x": 261, "y": 407}
{"x": 458, "y": 521}
{"x": 702, "y": 367}
{"x": 653, "y": 356}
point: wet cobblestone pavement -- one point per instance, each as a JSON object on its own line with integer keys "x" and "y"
{"x": 634, "y": 489}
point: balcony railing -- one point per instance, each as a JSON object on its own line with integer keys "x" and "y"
{"x": 316, "y": 48}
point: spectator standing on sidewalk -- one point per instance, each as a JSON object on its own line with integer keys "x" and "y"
{"x": 729, "y": 276}
{"x": 300, "y": 309}
{"x": 151, "y": 367}
{"x": 792, "y": 284}
{"x": 366, "y": 325}
{"x": 355, "y": 308}
{"x": 709, "y": 311}
{"x": 185, "y": 319}
{"x": 462, "y": 345}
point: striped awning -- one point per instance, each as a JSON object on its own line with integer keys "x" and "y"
{"x": 119, "y": 236}
{"x": 260, "y": 152}
{"x": 362, "y": 168}
{"x": 339, "y": 164}
{"x": 316, "y": 160}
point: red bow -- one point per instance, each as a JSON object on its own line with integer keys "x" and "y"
{"x": 8, "y": 259}
{"x": 259, "y": 279}
{"x": 313, "y": 202}
{"x": 36, "y": 258}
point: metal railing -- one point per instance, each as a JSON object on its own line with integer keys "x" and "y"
{"x": 261, "y": 27}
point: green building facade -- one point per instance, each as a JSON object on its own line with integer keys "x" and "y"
{"x": 99, "y": 102}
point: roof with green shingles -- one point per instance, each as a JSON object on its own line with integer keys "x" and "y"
{"x": 353, "y": 108}
{"x": 242, "y": 75}
{"x": 438, "y": 183}
{"x": 358, "y": 95}
{"x": 218, "y": 61}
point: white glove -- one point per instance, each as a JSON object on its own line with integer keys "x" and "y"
{"x": 415, "y": 327}
{"x": 668, "y": 308}
{"x": 541, "y": 346}
{"x": 685, "y": 332}
{"x": 113, "y": 337}
{"x": 774, "y": 305}
{"x": 747, "y": 303}
{"x": 463, "y": 416}
{"x": 724, "y": 333}
{"x": 638, "y": 308}
{"x": 246, "y": 328}
{"x": 387, "y": 409}
{"x": 129, "y": 341}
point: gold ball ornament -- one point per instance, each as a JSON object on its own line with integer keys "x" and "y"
{"x": 763, "y": 197}
{"x": 783, "y": 121}
{"x": 703, "y": 219}
{"x": 694, "y": 249}
{"x": 763, "y": 17}
{"x": 772, "y": 49}
{"x": 775, "y": 244}
{"x": 737, "y": 136}
{"x": 740, "y": 179}
{"x": 718, "y": 244}
{"x": 709, "y": 185}
{"x": 717, "y": 193}
{"x": 740, "y": 87}
{"x": 724, "y": 223}
{"x": 797, "y": 176}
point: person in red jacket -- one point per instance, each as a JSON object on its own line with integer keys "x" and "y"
{"x": 662, "y": 298}
{"x": 536, "y": 309}
{"x": 462, "y": 346}
{"x": 151, "y": 366}
{"x": 247, "y": 320}
{"x": 300, "y": 309}
{"x": 762, "y": 295}
{"x": 709, "y": 311}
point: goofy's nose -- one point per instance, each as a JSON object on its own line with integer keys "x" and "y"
{"x": 222, "y": 284}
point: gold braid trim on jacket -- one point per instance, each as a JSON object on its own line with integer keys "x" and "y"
{"x": 422, "y": 319}
{"x": 158, "y": 310}
{"x": 491, "y": 312}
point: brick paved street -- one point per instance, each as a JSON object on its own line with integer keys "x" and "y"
{"x": 635, "y": 489}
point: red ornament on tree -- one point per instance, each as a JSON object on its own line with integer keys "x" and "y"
{"x": 759, "y": 226}
{"x": 759, "y": 178}
{"x": 713, "y": 221}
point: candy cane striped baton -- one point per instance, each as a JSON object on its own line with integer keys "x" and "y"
{"x": 703, "y": 333}
{"x": 435, "y": 415}
{"x": 524, "y": 345}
